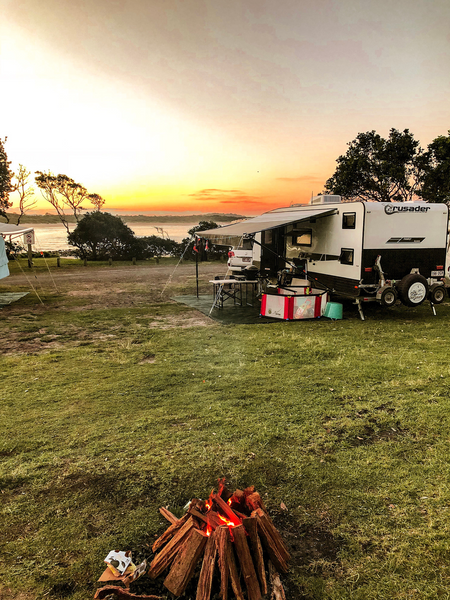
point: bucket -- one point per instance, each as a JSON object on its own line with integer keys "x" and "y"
{"x": 333, "y": 310}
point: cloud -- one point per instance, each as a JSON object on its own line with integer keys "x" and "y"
{"x": 228, "y": 197}
{"x": 246, "y": 200}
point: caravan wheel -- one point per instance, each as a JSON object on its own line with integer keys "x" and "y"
{"x": 437, "y": 293}
{"x": 413, "y": 289}
{"x": 388, "y": 297}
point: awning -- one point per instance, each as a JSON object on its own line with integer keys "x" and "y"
{"x": 229, "y": 235}
{"x": 12, "y": 230}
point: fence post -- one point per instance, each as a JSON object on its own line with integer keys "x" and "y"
{"x": 58, "y": 261}
{"x": 85, "y": 262}
{"x": 110, "y": 261}
{"x": 30, "y": 256}
{"x": 134, "y": 260}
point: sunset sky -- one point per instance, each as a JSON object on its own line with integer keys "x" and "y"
{"x": 214, "y": 105}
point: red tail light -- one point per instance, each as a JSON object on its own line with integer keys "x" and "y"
{"x": 230, "y": 254}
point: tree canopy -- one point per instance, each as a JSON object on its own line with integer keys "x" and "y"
{"x": 63, "y": 193}
{"x": 99, "y": 236}
{"x": 436, "y": 180}
{"x": 6, "y": 175}
{"x": 379, "y": 169}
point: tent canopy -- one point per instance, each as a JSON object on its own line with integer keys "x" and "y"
{"x": 12, "y": 230}
{"x": 229, "y": 235}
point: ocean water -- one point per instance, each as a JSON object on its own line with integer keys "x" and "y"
{"x": 53, "y": 236}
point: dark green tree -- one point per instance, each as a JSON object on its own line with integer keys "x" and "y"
{"x": 6, "y": 175}
{"x": 379, "y": 169}
{"x": 155, "y": 246}
{"x": 100, "y": 236}
{"x": 436, "y": 179}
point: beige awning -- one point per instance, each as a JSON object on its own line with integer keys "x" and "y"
{"x": 230, "y": 235}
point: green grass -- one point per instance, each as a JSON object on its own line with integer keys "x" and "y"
{"x": 346, "y": 423}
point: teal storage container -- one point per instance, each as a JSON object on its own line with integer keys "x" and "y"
{"x": 333, "y": 310}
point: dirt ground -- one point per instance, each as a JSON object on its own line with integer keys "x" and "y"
{"x": 122, "y": 286}
{"x": 84, "y": 288}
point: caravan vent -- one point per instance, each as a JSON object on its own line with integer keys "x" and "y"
{"x": 325, "y": 200}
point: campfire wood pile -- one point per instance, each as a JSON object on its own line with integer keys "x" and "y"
{"x": 232, "y": 531}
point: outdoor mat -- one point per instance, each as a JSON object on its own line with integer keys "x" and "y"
{"x": 8, "y": 297}
{"x": 230, "y": 313}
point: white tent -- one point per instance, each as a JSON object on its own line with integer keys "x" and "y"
{"x": 9, "y": 231}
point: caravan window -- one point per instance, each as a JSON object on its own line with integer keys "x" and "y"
{"x": 346, "y": 256}
{"x": 349, "y": 220}
{"x": 302, "y": 237}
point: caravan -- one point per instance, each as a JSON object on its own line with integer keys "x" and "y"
{"x": 368, "y": 251}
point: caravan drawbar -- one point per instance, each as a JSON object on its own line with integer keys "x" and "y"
{"x": 364, "y": 250}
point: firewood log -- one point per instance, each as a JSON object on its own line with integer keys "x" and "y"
{"x": 249, "y": 490}
{"x": 170, "y": 532}
{"x": 222, "y": 543}
{"x": 214, "y": 520}
{"x": 272, "y": 541}
{"x": 228, "y": 511}
{"x": 168, "y": 553}
{"x": 185, "y": 562}
{"x": 246, "y": 563}
{"x": 198, "y": 514}
{"x": 251, "y": 527}
{"x": 168, "y": 515}
{"x": 234, "y": 574}
{"x": 207, "y": 572}
{"x": 254, "y": 501}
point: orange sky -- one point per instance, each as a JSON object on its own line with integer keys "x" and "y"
{"x": 211, "y": 106}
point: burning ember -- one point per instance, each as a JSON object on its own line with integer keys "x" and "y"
{"x": 232, "y": 529}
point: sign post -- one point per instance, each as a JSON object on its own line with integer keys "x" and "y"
{"x": 28, "y": 239}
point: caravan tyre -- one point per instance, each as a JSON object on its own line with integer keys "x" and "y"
{"x": 388, "y": 297}
{"x": 413, "y": 289}
{"x": 437, "y": 293}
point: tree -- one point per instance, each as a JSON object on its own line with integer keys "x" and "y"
{"x": 73, "y": 194}
{"x": 436, "y": 179}
{"x": 154, "y": 245}
{"x": 64, "y": 194}
{"x": 26, "y": 193}
{"x": 6, "y": 186}
{"x": 47, "y": 183}
{"x": 96, "y": 200}
{"x": 378, "y": 169}
{"x": 99, "y": 236}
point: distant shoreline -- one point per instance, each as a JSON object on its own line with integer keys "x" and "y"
{"x": 216, "y": 217}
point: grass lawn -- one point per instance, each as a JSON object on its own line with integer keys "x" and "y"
{"x": 111, "y": 416}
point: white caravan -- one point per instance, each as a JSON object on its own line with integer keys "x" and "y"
{"x": 363, "y": 250}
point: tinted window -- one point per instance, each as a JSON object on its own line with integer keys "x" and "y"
{"x": 267, "y": 236}
{"x": 348, "y": 221}
{"x": 346, "y": 257}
